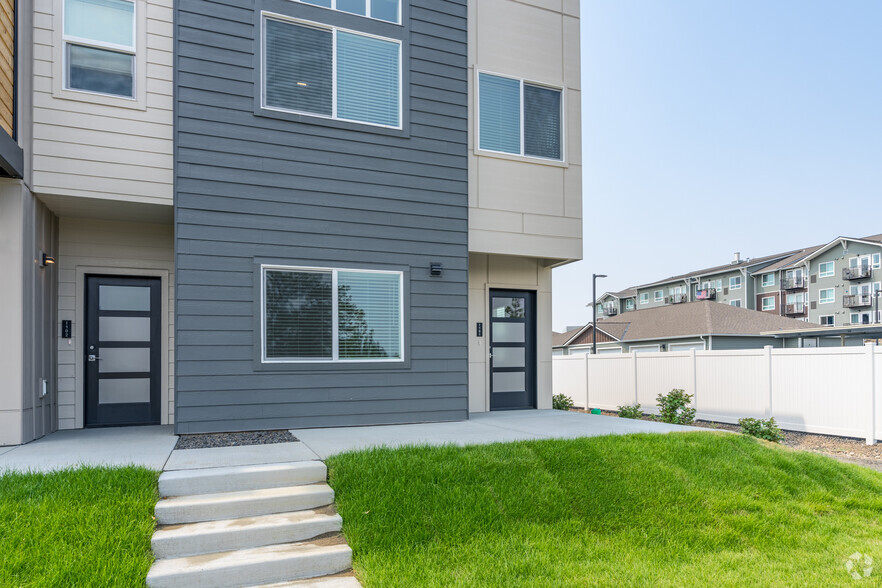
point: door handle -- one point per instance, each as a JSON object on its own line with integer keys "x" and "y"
{"x": 93, "y": 357}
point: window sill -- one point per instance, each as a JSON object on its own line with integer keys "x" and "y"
{"x": 335, "y": 123}
{"x": 521, "y": 158}
{"x": 102, "y": 99}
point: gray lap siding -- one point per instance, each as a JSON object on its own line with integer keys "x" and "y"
{"x": 256, "y": 187}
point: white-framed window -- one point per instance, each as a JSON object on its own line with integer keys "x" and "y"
{"x": 676, "y": 290}
{"x": 827, "y": 296}
{"x": 659, "y": 295}
{"x": 599, "y": 308}
{"x": 644, "y": 298}
{"x": 735, "y": 283}
{"x": 861, "y": 318}
{"x": 826, "y": 269}
{"x": 768, "y": 303}
{"x": 388, "y": 10}
{"x": 99, "y": 46}
{"x": 321, "y": 315}
{"x": 826, "y": 320}
{"x": 519, "y": 117}
{"x": 629, "y": 304}
{"x": 862, "y": 261}
{"x": 877, "y": 260}
{"x": 318, "y": 70}
{"x": 768, "y": 280}
{"x": 736, "y": 302}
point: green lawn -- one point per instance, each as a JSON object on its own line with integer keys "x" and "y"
{"x": 693, "y": 509}
{"x": 85, "y": 527}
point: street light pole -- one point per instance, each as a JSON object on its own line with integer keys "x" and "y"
{"x": 594, "y": 311}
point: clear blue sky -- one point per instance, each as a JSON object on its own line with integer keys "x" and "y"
{"x": 715, "y": 126}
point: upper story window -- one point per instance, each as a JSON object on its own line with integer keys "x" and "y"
{"x": 768, "y": 303}
{"x": 736, "y": 302}
{"x": 659, "y": 295}
{"x": 768, "y": 280}
{"x": 629, "y": 304}
{"x": 329, "y": 315}
{"x": 519, "y": 117}
{"x": 735, "y": 283}
{"x": 99, "y": 46}
{"x": 333, "y": 73}
{"x": 644, "y": 298}
{"x": 388, "y": 10}
{"x": 826, "y": 296}
{"x": 825, "y": 270}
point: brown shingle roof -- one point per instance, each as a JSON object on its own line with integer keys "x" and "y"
{"x": 558, "y": 339}
{"x": 704, "y": 317}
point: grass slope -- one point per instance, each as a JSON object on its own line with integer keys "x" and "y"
{"x": 84, "y": 527}
{"x": 689, "y": 509}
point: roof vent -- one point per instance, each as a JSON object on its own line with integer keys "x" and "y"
{"x": 737, "y": 259}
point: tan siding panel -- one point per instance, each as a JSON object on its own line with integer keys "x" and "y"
{"x": 7, "y": 49}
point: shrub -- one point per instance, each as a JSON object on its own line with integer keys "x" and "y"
{"x": 630, "y": 412}
{"x": 561, "y": 402}
{"x": 762, "y": 428}
{"x": 673, "y": 407}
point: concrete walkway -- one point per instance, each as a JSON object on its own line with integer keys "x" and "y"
{"x": 113, "y": 446}
{"x": 486, "y": 427}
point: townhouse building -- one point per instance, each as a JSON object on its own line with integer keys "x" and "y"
{"x": 284, "y": 213}
{"x": 834, "y": 284}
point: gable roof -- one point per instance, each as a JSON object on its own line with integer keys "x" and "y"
{"x": 745, "y": 263}
{"x": 690, "y": 319}
{"x": 561, "y": 339}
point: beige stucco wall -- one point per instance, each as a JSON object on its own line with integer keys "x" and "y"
{"x": 525, "y": 205}
{"x": 521, "y": 273}
{"x": 106, "y": 247}
{"x": 99, "y": 146}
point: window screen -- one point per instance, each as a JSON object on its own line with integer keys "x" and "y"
{"x": 299, "y": 319}
{"x": 541, "y": 122}
{"x": 299, "y": 68}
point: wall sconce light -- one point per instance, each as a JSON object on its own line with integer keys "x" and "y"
{"x": 47, "y": 260}
{"x": 435, "y": 269}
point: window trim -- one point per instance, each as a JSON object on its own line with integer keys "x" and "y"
{"x": 646, "y": 301}
{"x": 335, "y": 351}
{"x": 659, "y": 295}
{"x": 267, "y": 15}
{"x": 521, "y": 82}
{"x": 367, "y": 13}
{"x": 829, "y": 316}
{"x": 821, "y": 296}
{"x": 733, "y": 287}
{"x": 138, "y": 99}
{"x": 763, "y": 303}
{"x": 771, "y": 283}
{"x": 830, "y": 274}
{"x": 736, "y": 302}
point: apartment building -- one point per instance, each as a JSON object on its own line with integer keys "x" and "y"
{"x": 286, "y": 213}
{"x": 834, "y": 284}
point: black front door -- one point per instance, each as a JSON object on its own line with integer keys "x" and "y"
{"x": 512, "y": 349}
{"x": 122, "y": 351}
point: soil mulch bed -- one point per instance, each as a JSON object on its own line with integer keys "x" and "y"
{"x": 204, "y": 441}
{"x": 845, "y": 449}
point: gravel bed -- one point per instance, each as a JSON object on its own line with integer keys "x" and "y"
{"x": 234, "y": 439}
{"x": 845, "y": 449}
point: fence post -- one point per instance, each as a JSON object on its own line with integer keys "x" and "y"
{"x": 768, "y": 353}
{"x": 634, "y": 363}
{"x": 587, "y": 379}
{"x": 694, "y": 380}
{"x": 871, "y": 433}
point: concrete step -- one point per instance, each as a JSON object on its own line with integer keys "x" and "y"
{"x": 233, "y": 479}
{"x": 245, "y": 503}
{"x": 261, "y": 565}
{"x": 330, "y": 582}
{"x": 243, "y": 533}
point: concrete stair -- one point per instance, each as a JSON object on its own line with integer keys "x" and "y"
{"x": 269, "y": 524}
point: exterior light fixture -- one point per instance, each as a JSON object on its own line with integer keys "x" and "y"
{"x": 435, "y": 269}
{"x": 47, "y": 260}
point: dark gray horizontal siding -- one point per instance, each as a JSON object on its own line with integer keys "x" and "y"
{"x": 254, "y": 186}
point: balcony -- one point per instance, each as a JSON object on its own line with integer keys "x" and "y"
{"x": 677, "y": 298}
{"x": 856, "y": 273}
{"x": 706, "y": 294}
{"x": 857, "y": 300}
{"x": 794, "y": 283}
{"x": 610, "y": 309}
{"x": 795, "y": 309}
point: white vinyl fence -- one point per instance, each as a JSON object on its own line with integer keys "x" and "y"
{"x": 834, "y": 391}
